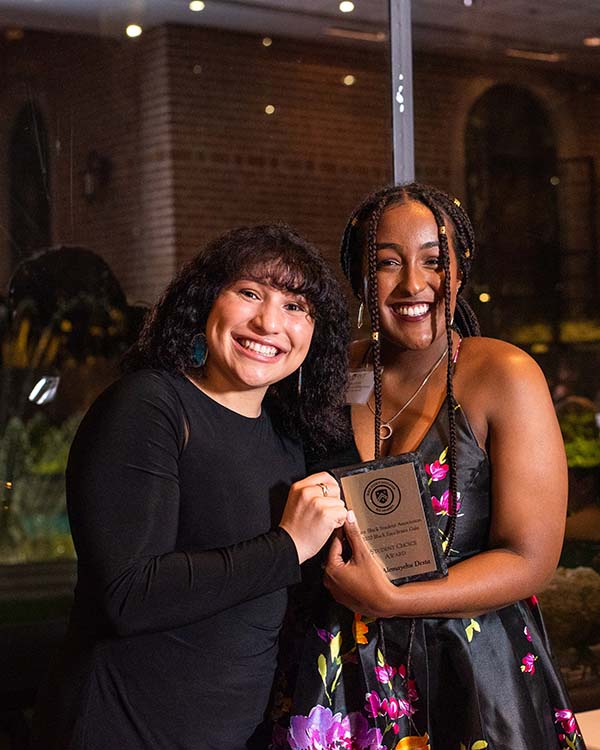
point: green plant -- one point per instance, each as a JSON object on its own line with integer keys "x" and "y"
{"x": 581, "y": 437}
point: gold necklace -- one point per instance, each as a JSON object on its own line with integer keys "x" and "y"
{"x": 385, "y": 430}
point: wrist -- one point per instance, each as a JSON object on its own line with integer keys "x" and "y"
{"x": 389, "y": 604}
{"x": 300, "y": 556}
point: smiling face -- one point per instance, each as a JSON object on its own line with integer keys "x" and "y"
{"x": 256, "y": 335}
{"x": 410, "y": 278}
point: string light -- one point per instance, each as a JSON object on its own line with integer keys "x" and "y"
{"x": 133, "y": 30}
{"x": 346, "y": 6}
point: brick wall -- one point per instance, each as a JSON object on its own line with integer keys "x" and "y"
{"x": 180, "y": 113}
{"x": 306, "y": 164}
{"x": 91, "y": 95}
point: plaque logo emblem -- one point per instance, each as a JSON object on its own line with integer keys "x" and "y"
{"x": 382, "y": 496}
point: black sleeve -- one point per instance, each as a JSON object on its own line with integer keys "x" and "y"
{"x": 123, "y": 502}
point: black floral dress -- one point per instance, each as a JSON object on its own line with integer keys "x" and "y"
{"x": 486, "y": 682}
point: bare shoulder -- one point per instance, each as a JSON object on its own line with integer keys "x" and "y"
{"x": 500, "y": 383}
{"x": 499, "y": 364}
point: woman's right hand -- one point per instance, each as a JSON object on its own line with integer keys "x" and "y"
{"x": 313, "y": 510}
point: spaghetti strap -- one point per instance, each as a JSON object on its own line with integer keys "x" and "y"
{"x": 430, "y": 682}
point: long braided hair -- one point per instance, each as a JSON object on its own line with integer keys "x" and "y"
{"x": 362, "y": 228}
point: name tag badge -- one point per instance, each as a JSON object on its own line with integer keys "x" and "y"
{"x": 360, "y": 386}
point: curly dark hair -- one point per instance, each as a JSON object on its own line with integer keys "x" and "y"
{"x": 359, "y": 241}
{"x": 278, "y": 256}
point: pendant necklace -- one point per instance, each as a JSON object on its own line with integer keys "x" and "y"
{"x": 385, "y": 431}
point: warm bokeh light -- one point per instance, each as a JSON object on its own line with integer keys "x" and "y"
{"x": 267, "y": 41}
{"x": 363, "y": 36}
{"x": 484, "y": 297}
{"x": 269, "y": 109}
{"x": 197, "y": 5}
{"x": 133, "y": 30}
{"x": 592, "y": 41}
{"x": 346, "y": 6}
{"x": 349, "y": 80}
{"x": 539, "y": 348}
{"x": 529, "y": 54}
{"x": 14, "y": 35}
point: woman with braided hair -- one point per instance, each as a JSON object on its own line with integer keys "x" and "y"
{"x": 460, "y": 662}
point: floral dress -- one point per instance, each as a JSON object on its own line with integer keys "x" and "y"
{"x": 486, "y": 682}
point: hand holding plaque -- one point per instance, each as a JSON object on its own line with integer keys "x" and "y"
{"x": 392, "y": 504}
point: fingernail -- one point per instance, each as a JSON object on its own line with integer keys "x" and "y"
{"x": 350, "y": 517}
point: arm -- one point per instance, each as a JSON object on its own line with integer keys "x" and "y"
{"x": 529, "y": 491}
{"x": 123, "y": 496}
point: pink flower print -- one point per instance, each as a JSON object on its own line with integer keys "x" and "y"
{"x": 436, "y": 470}
{"x": 373, "y": 704}
{"x": 362, "y": 736}
{"x": 528, "y": 663}
{"x": 533, "y": 600}
{"x": 319, "y": 730}
{"x": 411, "y": 692}
{"x": 441, "y": 507}
{"x": 411, "y": 685}
{"x": 396, "y": 708}
{"x": 391, "y": 707}
{"x": 385, "y": 673}
{"x": 527, "y": 633}
{"x": 566, "y": 719}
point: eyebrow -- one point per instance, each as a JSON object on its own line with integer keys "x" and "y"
{"x": 396, "y": 246}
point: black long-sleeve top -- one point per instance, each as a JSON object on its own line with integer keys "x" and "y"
{"x": 174, "y": 502}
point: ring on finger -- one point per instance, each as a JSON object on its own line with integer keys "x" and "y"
{"x": 324, "y": 489}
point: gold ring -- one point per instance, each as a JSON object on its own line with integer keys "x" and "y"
{"x": 324, "y": 489}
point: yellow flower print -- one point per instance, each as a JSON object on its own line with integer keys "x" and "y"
{"x": 472, "y": 628}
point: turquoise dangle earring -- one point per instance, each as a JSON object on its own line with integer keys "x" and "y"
{"x": 199, "y": 350}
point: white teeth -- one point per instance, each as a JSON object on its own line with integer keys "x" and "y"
{"x": 412, "y": 311}
{"x": 267, "y": 351}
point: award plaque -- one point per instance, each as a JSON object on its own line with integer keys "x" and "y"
{"x": 392, "y": 504}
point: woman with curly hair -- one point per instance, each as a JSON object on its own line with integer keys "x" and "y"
{"x": 187, "y": 502}
{"x": 458, "y": 662}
